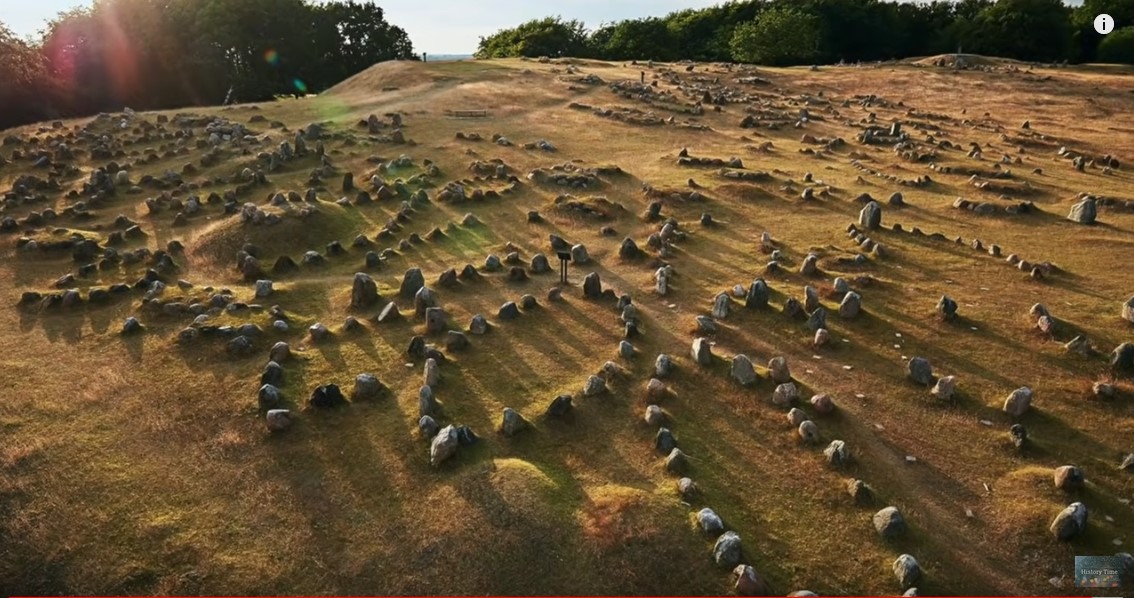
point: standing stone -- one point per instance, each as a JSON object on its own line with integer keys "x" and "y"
{"x": 757, "y": 295}
{"x": 434, "y": 320}
{"x": 280, "y": 352}
{"x": 920, "y": 371}
{"x": 822, "y": 337}
{"x": 540, "y": 264}
{"x": 749, "y": 583}
{"x": 810, "y": 298}
{"x": 278, "y": 420}
{"x": 426, "y": 402}
{"x": 1018, "y": 402}
{"x": 721, "y": 305}
{"x": 592, "y": 286}
{"x": 664, "y": 441}
{"x": 389, "y": 313}
{"x": 661, "y": 281}
{"x": 947, "y": 308}
{"x": 431, "y": 373}
{"x": 1122, "y": 358}
{"x": 906, "y": 570}
{"x": 428, "y": 427}
{"x": 1068, "y": 477}
{"x": 778, "y": 370}
{"x": 512, "y": 422}
{"x": 263, "y": 288}
{"x": 870, "y": 218}
{"x": 560, "y": 406}
{"x": 424, "y": 299}
{"x": 726, "y": 551}
{"x": 676, "y": 462}
{"x": 822, "y": 404}
{"x": 412, "y": 282}
{"x": 366, "y": 386}
{"x": 702, "y": 352}
{"x": 579, "y": 254}
{"x": 663, "y": 365}
{"x": 1084, "y": 212}
{"x": 594, "y": 386}
{"x": 508, "y": 311}
{"x": 709, "y": 522}
{"x": 1128, "y": 310}
{"x": 840, "y": 286}
{"x": 785, "y": 394}
{"x": 742, "y": 370}
{"x": 837, "y": 453}
{"x": 687, "y": 489}
{"x": 625, "y": 350}
{"x": 456, "y": 340}
{"x": 796, "y": 416}
{"x": 443, "y": 446}
{"x": 479, "y": 325}
{"x": 364, "y": 291}
{"x": 850, "y": 306}
{"x": 654, "y": 415}
{"x": 808, "y": 432}
{"x": 945, "y": 387}
{"x": 817, "y": 321}
{"x": 328, "y": 395}
{"x": 889, "y": 523}
{"x": 810, "y": 265}
{"x": 1070, "y": 522}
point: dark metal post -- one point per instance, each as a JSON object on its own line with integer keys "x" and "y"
{"x": 564, "y": 257}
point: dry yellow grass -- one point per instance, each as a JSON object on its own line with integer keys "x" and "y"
{"x": 137, "y": 466}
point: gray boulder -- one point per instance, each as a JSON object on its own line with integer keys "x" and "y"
{"x": 907, "y": 570}
{"x": 412, "y": 282}
{"x": 512, "y": 422}
{"x": 702, "y": 352}
{"x": 870, "y": 218}
{"x": 920, "y": 371}
{"x": 727, "y": 550}
{"x": 778, "y": 370}
{"x": 366, "y": 386}
{"x": 1084, "y": 212}
{"x": 850, "y": 306}
{"x": 709, "y": 522}
{"x": 364, "y": 291}
{"x": 443, "y": 446}
{"x": 742, "y": 370}
{"x": 278, "y": 420}
{"x": 1018, "y": 402}
{"x": 889, "y": 523}
{"x": 837, "y": 453}
{"x": 1070, "y": 522}
{"x": 595, "y": 385}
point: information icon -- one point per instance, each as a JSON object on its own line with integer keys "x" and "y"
{"x": 1104, "y": 24}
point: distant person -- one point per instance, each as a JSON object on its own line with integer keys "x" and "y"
{"x": 643, "y": 76}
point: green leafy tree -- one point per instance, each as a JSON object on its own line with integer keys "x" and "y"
{"x": 1023, "y": 29}
{"x": 550, "y": 36}
{"x": 1118, "y": 46}
{"x": 778, "y": 36}
{"x": 637, "y": 39}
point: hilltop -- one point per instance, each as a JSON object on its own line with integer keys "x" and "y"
{"x": 142, "y": 462}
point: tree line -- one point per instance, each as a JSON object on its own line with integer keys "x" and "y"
{"x": 157, "y": 54}
{"x": 801, "y": 32}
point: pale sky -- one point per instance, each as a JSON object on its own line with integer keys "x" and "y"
{"x": 434, "y": 26}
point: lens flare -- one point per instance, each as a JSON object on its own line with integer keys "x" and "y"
{"x": 272, "y": 57}
{"x": 300, "y": 86}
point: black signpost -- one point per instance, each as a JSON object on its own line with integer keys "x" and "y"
{"x": 564, "y": 257}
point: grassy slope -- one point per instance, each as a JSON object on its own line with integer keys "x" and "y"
{"x": 137, "y": 466}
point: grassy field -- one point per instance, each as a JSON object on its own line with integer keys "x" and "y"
{"x": 138, "y": 465}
